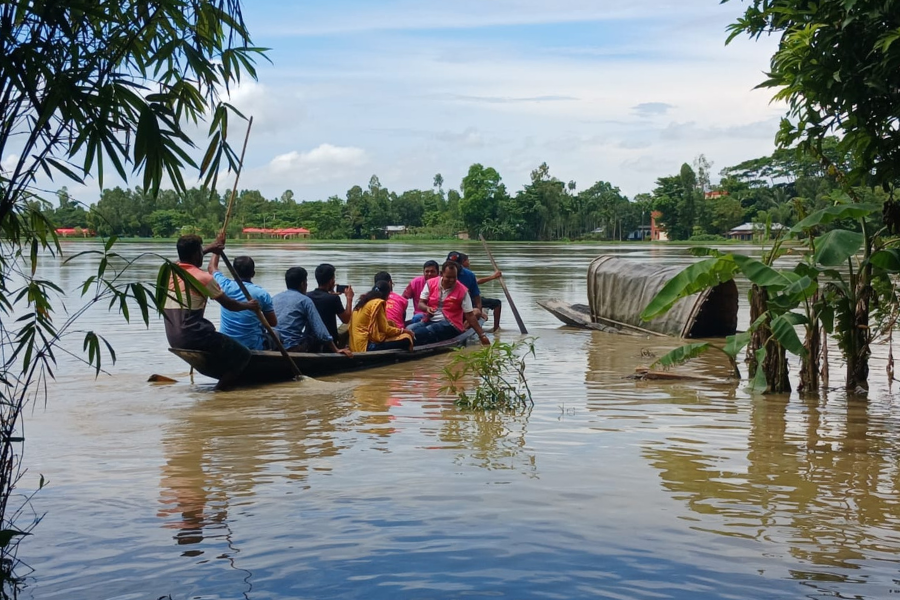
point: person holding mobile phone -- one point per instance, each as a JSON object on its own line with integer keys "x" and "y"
{"x": 329, "y": 304}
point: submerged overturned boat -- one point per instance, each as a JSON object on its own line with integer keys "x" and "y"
{"x": 620, "y": 288}
{"x": 267, "y": 366}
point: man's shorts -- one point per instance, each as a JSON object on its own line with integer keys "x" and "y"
{"x": 490, "y": 303}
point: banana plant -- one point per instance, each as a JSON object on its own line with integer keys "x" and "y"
{"x": 814, "y": 295}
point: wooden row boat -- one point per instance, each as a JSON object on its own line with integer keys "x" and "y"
{"x": 268, "y": 366}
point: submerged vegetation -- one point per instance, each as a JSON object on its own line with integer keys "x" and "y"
{"x": 499, "y": 374}
{"x": 836, "y": 67}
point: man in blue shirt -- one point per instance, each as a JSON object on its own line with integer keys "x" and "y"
{"x": 468, "y": 279}
{"x": 244, "y": 326}
{"x": 299, "y": 325}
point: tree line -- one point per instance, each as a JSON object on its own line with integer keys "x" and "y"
{"x": 781, "y": 188}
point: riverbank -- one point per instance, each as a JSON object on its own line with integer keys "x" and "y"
{"x": 439, "y": 241}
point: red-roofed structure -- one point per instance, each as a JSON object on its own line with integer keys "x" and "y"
{"x": 76, "y": 231}
{"x": 284, "y": 232}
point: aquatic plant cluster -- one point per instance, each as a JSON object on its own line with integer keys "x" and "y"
{"x": 498, "y": 374}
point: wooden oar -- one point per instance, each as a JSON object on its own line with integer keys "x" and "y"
{"x": 509, "y": 299}
{"x": 237, "y": 278}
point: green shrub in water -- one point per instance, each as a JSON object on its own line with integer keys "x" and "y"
{"x": 499, "y": 373}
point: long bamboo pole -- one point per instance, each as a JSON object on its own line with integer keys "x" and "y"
{"x": 509, "y": 299}
{"x": 259, "y": 314}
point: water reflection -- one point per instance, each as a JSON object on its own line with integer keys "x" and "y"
{"x": 817, "y": 480}
{"x": 221, "y": 449}
{"x": 491, "y": 440}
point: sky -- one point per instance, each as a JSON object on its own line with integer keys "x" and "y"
{"x": 607, "y": 90}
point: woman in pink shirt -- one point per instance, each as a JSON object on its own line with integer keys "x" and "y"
{"x": 415, "y": 287}
{"x": 395, "y": 304}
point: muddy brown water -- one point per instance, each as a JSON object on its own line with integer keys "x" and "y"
{"x": 373, "y": 485}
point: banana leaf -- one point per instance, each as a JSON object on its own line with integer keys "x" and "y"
{"x": 835, "y": 213}
{"x": 681, "y": 355}
{"x": 836, "y": 246}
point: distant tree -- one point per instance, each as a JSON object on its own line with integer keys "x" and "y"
{"x": 482, "y": 193}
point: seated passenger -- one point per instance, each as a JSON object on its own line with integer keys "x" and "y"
{"x": 299, "y": 324}
{"x": 467, "y": 278}
{"x": 244, "y": 326}
{"x": 369, "y": 327}
{"x": 492, "y": 304}
{"x": 328, "y": 301}
{"x": 447, "y": 303}
{"x": 185, "y": 325}
{"x": 414, "y": 289}
{"x": 395, "y": 305}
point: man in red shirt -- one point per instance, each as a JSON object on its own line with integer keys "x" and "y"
{"x": 186, "y": 327}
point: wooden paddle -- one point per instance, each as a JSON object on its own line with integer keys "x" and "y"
{"x": 509, "y": 299}
{"x": 236, "y": 277}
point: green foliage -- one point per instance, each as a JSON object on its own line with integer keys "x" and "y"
{"x": 836, "y": 246}
{"x": 681, "y": 355}
{"x": 836, "y": 68}
{"x": 695, "y": 278}
{"x": 87, "y": 86}
{"x": 499, "y": 374}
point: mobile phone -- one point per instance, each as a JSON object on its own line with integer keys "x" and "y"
{"x": 340, "y": 288}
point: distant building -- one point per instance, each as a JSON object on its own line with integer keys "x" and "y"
{"x": 644, "y": 232}
{"x": 75, "y": 231}
{"x": 749, "y": 232}
{"x": 395, "y": 230}
{"x": 284, "y": 232}
{"x": 716, "y": 194}
{"x": 657, "y": 233}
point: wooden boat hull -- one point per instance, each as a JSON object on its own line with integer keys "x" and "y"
{"x": 267, "y": 366}
{"x": 579, "y": 315}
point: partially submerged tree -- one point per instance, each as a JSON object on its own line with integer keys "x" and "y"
{"x": 86, "y": 86}
{"x": 838, "y": 68}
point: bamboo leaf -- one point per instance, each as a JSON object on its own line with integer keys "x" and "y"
{"x": 7, "y": 536}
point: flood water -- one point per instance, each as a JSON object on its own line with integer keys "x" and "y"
{"x": 374, "y": 485}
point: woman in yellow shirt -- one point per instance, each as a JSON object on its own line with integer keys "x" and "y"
{"x": 369, "y": 327}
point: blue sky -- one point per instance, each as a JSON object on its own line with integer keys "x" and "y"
{"x": 618, "y": 91}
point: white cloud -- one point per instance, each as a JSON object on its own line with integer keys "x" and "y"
{"x": 432, "y": 99}
{"x": 9, "y": 163}
{"x": 298, "y": 170}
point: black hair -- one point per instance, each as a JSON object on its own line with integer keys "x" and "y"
{"x": 381, "y": 290}
{"x": 431, "y": 263}
{"x": 188, "y": 246}
{"x": 294, "y": 278}
{"x": 451, "y": 264}
{"x": 244, "y": 267}
{"x": 383, "y": 276}
{"x": 324, "y": 273}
